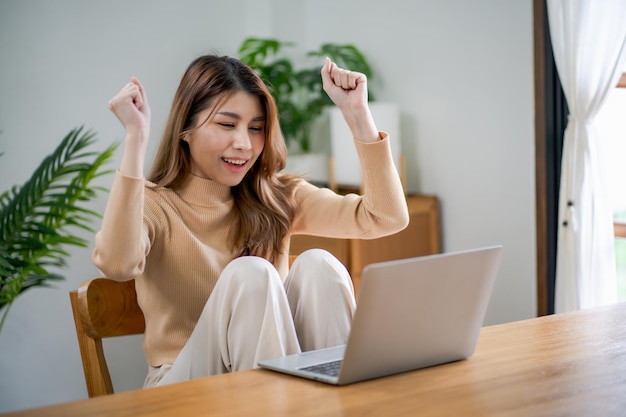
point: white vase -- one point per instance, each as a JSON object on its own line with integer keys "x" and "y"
{"x": 311, "y": 166}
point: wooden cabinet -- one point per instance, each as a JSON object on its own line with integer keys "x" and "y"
{"x": 421, "y": 237}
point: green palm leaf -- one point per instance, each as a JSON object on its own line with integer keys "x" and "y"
{"x": 36, "y": 218}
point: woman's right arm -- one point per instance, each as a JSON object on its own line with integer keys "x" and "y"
{"x": 122, "y": 242}
{"x": 131, "y": 107}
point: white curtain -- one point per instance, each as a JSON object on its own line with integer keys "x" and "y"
{"x": 588, "y": 38}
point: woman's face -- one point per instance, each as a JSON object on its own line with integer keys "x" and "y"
{"x": 225, "y": 146}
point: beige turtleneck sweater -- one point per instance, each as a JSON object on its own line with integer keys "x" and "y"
{"x": 174, "y": 242}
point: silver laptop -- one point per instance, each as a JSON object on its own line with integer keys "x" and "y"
{"x": 411, "y": 314}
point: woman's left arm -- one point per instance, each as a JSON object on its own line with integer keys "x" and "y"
{"x": 382, "y": 209}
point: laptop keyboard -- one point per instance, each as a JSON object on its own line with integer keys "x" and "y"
{"x": 328, "y": 368}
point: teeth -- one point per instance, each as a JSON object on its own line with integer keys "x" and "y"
{"x": 235, "y": 161}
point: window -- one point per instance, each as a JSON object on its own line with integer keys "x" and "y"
{"x": 611, "y": 126}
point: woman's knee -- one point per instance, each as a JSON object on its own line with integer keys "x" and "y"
{"x": 251, "y": 273}
{"x": 321, "y": 263}
{"x": 313, "y": 258}
{"x": 316, "y": 266}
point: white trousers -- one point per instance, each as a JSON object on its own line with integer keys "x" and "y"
{"x": 251, "y": 315}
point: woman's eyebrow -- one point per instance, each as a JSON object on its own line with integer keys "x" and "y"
{"x": 238, "y": 117}
{"x": 229, "y": 114}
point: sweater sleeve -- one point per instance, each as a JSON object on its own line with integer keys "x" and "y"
{"x": 380, "y": 211}
{"x": 123, "y": 242}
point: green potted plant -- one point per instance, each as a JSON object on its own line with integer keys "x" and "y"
{"x": 298, "y": 91}
{"x": 36, "y": 218}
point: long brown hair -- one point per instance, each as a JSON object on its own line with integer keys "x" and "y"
{"x": 263, "y": 203}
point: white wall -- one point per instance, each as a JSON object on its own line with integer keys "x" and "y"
{"x": 460, "y": 71}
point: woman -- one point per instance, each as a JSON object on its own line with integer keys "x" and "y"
{"x": 206, "y": 237}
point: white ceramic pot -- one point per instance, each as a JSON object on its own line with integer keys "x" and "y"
{"x": 312, "y": 166}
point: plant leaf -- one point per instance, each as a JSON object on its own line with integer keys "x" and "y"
{"x": 36, "y": 217}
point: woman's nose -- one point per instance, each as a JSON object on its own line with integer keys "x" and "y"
{"x": 242, "y": 140}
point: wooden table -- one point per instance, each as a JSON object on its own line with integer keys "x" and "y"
{"x": 563, "y": 365}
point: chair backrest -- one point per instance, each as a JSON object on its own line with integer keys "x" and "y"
{"x": 103, "y": 308}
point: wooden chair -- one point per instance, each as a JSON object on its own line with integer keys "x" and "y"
{"x": 103, "y": 308}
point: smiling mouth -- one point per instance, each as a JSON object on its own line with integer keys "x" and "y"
{"x": 235, "y": 162}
